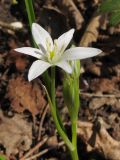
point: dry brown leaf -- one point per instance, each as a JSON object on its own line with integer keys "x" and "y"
{"x": 15, "y": 134}
{"x": 12, "y": 43}
{"x": 96, "y": 103}
{"x": 19, "y": 60}
{"x": 103, "y": 85}
{"x": 117, "y": 69}
{"x": 94, "y": 69}
{"x": 21, "y": 63}
{"x": 25, "y": 96}
{"x": 91, "y": 35}
{"x": 99, "y": 139}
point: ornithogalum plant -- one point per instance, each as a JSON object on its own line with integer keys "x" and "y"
{"x": 51, "y": 54}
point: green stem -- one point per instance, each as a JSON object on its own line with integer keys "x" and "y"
{"x": 74, "y": 153}
{"x": 53, "y": 97}
{"x": 74, "y": 134}
{"x": 54, "y": 112}
{"x": 53, "y": 86}
{"x": 71, "y": 146}
{"x": 60, "y": 120}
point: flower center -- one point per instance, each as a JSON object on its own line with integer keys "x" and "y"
{"x": 52, "y": 54}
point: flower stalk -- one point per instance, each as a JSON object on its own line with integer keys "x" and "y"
{"x": 72, "y": 145}
{"x": 51, "y": 100}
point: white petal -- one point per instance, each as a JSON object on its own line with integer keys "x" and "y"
{"x": 37, "y": 68}
{"x": 41, "y": 36}
{"x": 80, "y": 53}
{"x": 30, "y": 51}
{"x": 65, "y": 66}
{"x": 64, "y": 40}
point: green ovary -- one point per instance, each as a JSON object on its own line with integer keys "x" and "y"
{"x": 52, "y": 54}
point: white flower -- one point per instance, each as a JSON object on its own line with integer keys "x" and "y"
{"x": 53, "y": 53}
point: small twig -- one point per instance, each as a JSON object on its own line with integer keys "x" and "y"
{"x": 42, "y": 120}
{"x": 34, "y": 148}
{"x": 9, "y": 26}
{"x": 100, "y": 95}
{"x": 38, "y": 154}
{"x": 53, "y": 8}
{"x": 44, "y": 151}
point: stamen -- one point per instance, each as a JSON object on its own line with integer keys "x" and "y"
{"x": 42, "y": 48}
{"x": 55, "y": 45}
{"x": 48, "y": 44}
{"x": 38, "y": 53}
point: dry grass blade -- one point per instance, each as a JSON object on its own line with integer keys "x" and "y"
{"x": 91, "y": 32}
{"x": 71, "y": 10}
{"x": 31, "y": 151}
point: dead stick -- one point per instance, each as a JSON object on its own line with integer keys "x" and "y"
{"x": 70, "y": 8}
{"x": 43, "y": 152}
{"x": 8, "y": 26}
{"x": 41, "y": 122}
{"x": 100, "y": 95}
{"x": 34, "y": 148}
{"x": 38, "y": 154}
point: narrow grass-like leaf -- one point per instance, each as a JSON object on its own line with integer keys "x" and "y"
{"x": 30, "y": 11}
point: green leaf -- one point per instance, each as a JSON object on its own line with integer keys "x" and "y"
{"x": 30, "y": 11}
{"x": 112, "y": 7}
{"x": 115, "y": 18}
{"x": 2, "y": 157}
